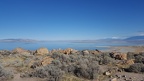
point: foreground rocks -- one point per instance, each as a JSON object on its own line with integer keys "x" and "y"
{"x": 65, "y": 51}
{"x": 119, "y": 55}
{"x": 20, "y": 51}
{"x": 41, "y": 51}
{"x": 72, "y": 65}
{"x": 46, "y": 61}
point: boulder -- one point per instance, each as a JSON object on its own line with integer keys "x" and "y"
{"x": 85, "y": 52}
{"x": 41, "y": 51}
{"x": 73, "y": 51}
{"x": 125, "y": 63}
{"x": 94, "y": 52}
{"x": 130, "y": 62}
{"x": 67, "y": 51}
{"x": 20, "y": 51}
{"x": 46, "y": 61}
{"x": 119, "y": 55}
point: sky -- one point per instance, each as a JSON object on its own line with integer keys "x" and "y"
{"x": 71, "y": 19}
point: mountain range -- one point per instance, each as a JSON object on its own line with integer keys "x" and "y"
{"x": 18, "y": 40}
{"x": 135, "y": 39}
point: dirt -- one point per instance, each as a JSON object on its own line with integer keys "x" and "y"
{"x": 125, "y": 76}
{"x": 130, "y": 76}
{"x": 18, "y": 78}
{"x": 125, "y": 49}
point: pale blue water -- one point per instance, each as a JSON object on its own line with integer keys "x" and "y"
{"x": 57, "y": 45}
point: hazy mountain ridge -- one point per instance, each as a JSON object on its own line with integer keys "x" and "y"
{"x": 18, "y": 40}
{"x": 136, "y": 39}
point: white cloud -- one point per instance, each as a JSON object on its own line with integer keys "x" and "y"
{"x": 115, "y": 37}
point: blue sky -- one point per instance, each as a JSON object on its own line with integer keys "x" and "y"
{"x": 70, "y": 19}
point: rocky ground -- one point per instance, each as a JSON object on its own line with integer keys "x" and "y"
{"x": 125, "y": 63}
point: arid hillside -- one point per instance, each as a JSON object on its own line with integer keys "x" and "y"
{"x": 115, "y": 64}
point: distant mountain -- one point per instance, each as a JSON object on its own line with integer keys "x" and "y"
{"x": 135, "y": 38}
{"x": 18, "y": 40}
{"x": 132, "y": 39}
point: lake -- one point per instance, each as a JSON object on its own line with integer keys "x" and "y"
{"x": 57, "y": 45}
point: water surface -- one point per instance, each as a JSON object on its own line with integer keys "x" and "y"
{"x": 57, "y": 45}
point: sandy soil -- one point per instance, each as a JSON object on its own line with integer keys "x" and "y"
{"x": 125, "y": 49}
{"x": 18, "y": 78}
{"x": 125, "y": 76}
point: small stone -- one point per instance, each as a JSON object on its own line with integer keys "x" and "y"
{"x": 130, "y": 78}
{"x": 126, "y": 79}
{"x": 118, "y": 76}
{"x": 114, "y": 79}
{"x": 107, "y": 73}
{"x": 124, "y": 76}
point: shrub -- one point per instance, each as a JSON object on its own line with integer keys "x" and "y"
{"x": 57, "y": 63}
{"x": 130, "y": 55}
{"x": 91, "y": 71}
{"x": 5, "y": 74}
{"x": 106, "y": 59}
{"x": 137, "y": 67}
{"x": 85, "y": 66}
{"x": 70, "y": 69}
{"x": 51, "y": 72}
{"x": 56, "y": 55}
{"x": 5, "y": 52}
{"x": 139, "y": 59}
{"x": 141, "y": 53}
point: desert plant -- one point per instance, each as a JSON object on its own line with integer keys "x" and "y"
{"x": 5, "y": 52}
{"x": 139, "y": 59}
{"x": 106, "y": 59}
{"x": 5, "y": 74}
{"x": 137, "y": 67}
{"x": 91, "y": 71}
{"x": 51, "y": 72}
{"x": 130, "y": 55}
{"x": 57, "y": 63}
